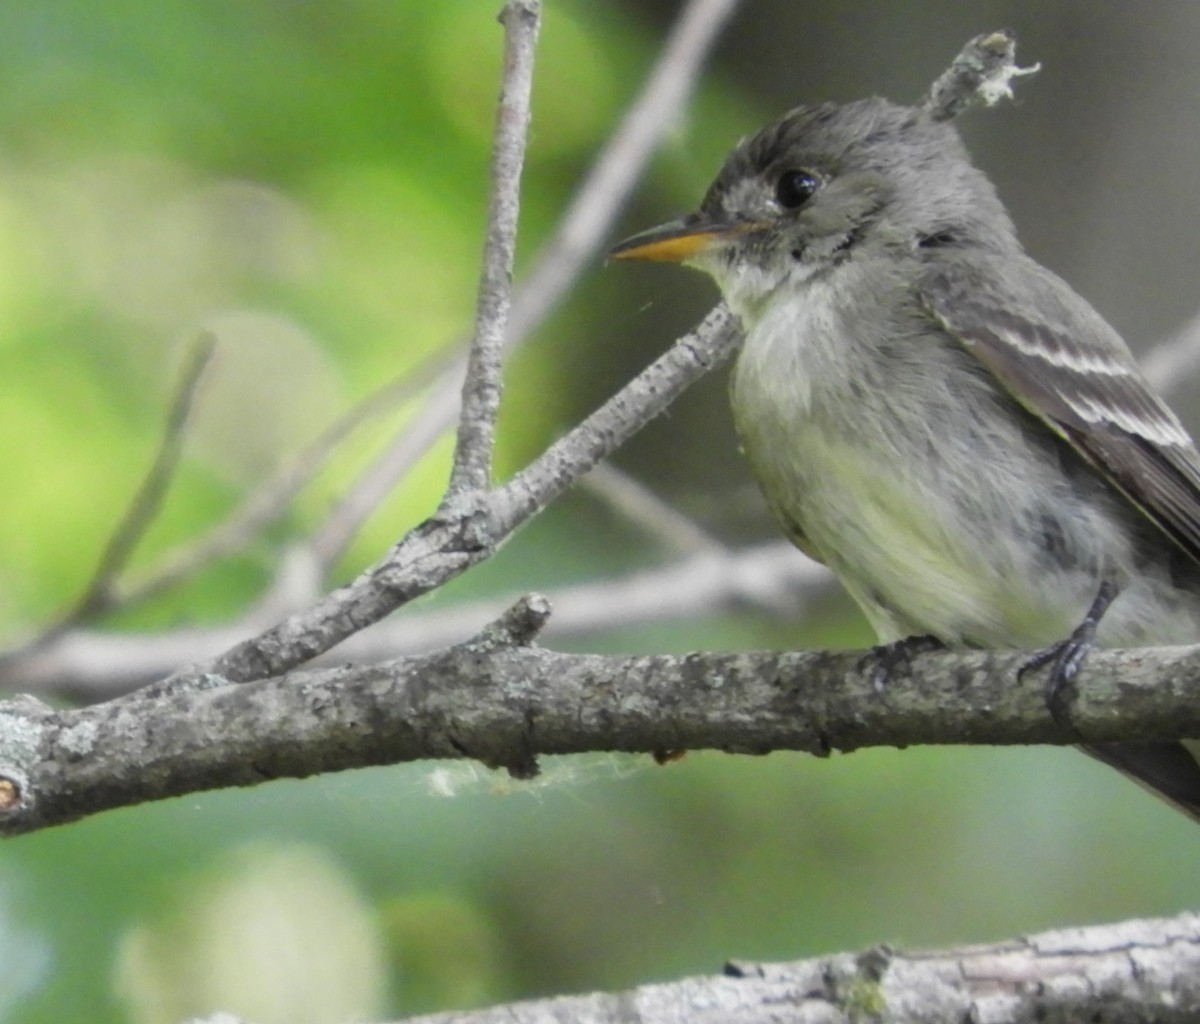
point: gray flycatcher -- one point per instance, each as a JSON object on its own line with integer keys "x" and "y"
{"x": 938, "y": 418}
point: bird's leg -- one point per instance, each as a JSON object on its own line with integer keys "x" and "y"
{"x": 897, "y": 657}
{"x": 1067, "y": 656}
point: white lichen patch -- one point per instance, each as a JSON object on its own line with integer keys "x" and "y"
{"x": 20, "y": 737}
{"x": 78, "y": 740}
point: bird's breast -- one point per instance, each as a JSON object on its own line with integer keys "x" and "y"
{"x": 810, "y": 354}
{"x": 904, "y": 466}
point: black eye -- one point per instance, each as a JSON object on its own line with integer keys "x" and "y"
{"x": 795, "y": 188}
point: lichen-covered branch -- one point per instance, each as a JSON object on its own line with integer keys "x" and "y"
{"x": 1135, "y": 972}
{"x": 503, "y": 702}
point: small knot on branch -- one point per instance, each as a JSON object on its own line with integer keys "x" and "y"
{"x": 518, "y": 626}
{"x": 13, "y": 789}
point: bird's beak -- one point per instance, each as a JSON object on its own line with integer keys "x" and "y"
{"x": 678, "y": 241}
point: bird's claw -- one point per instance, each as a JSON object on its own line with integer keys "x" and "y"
{"x": 1066, "y": 658}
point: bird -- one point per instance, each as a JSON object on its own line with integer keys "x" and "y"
{"x": 938, "y": 418}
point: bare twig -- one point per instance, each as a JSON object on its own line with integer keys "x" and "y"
{"x": 772, "y": 577}
{"x": 576, "y": 240}
{"x": 472, "y": 471}
{"x": 333, "y": 537}
{"x": 446, "y": 546}
{"x": 274, "y": 497}
{"x": 597, "y": 437}
{"x": 579, "y": 235}
{"x": 121, "y": 587}
{"x": 84, "y": 666}
{"x": 619, "y": 165}
{"x": 634, "y": 501}
{"x": 98, "y": 596}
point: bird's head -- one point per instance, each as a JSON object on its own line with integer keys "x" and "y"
{"x": 822, "y": 185}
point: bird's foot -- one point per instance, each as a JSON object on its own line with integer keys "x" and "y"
{"x": 890, "y": 660}
{"x": 1066, "y": 658}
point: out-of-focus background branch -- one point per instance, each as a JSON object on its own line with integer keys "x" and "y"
{"x": 309, "y": 187}
{"x": 1116, "y": 973}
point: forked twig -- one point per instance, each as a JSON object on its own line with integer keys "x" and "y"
{"x": 576, "y": 240}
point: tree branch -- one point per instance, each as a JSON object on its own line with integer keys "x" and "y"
{"x": 619, "y": 165}
{"x": 1135, "y": 972}
{"x": 496, "y": 700}
{"x": 445, "y": 546}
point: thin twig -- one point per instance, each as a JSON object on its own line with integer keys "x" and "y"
{"x": 275, "y": 496}
{"x": 619, "y": 165}
{"x": 98, "y": 595}
{"x": 981, "y": 73}
{"x": 442, "y": 548}
{"x": 86, "y": 666}
{"x": 578, "y": 237}
{"x": 635, "y": 502}
{"x": 517, "y": 626}
{"x": 712, "y": 343}
{"x": 1174, "y": 359}
{"x": 472, "y": 471}
{"x": 358, "y": 502}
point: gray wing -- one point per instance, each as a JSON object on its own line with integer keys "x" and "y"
{"x": 1059, "y": 359}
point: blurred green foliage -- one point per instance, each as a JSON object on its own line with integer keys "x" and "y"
{"x": 308, "y": 182}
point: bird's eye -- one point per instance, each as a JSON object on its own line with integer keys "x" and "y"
{"x": 795, "y": 188}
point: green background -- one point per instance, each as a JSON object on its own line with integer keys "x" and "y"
{"x": 307, "y": 181}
